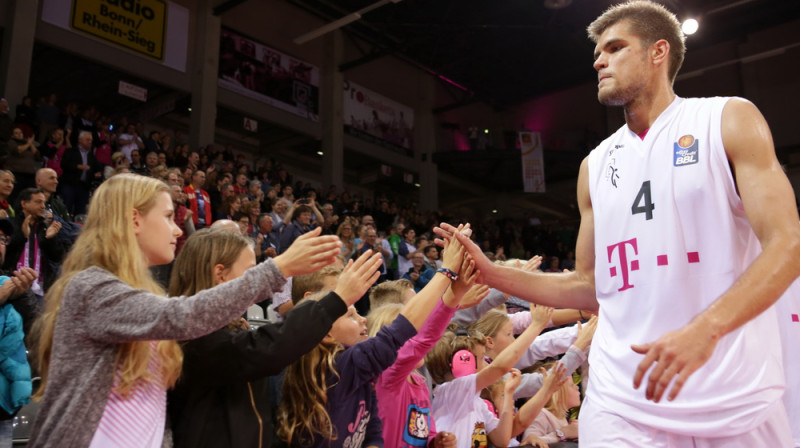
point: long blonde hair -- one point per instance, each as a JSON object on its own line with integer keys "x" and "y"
{"x": 108, "y": 241}
{"x": 490, "y": 323}
{"x": 301, "y": 414}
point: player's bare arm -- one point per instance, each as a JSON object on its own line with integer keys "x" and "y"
{"x": 563, "y": 290}
{"x": 769, "y": 202}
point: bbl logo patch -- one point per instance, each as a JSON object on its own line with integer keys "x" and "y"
{"x": 685, "y": 151}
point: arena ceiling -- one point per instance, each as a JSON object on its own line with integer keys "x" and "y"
{"x": 503, "y": 52}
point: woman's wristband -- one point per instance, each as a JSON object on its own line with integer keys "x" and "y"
{"x": 448, "y": 273}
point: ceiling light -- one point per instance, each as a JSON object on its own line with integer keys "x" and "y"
{"x": 690, "y": 26}
{"x": 494, "y": 211}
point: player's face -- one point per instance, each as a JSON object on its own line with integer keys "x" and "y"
{"x": 621, "y": 61}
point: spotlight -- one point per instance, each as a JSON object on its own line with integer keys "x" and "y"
{"x": 690, "y": 26}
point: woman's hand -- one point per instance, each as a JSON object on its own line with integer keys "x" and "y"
{"x": 358, "y": 276}
{"x": 308, "y": 253}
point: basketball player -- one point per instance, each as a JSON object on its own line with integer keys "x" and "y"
{"x": 689, "y": 233}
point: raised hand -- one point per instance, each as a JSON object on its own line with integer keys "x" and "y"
{"x": 586, "y": 333}
{"x": 532, "y": 264}
{"x": 309, "y": 253}
{"x": 541, "y": 315}
{"x": 53, "y": 229}
{"x": 474, "y": 296}
{"x": 555, "y": 378}
{"x": 358, "y": 276}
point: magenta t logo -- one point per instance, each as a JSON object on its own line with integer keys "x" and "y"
{"x": 623, "y": 261}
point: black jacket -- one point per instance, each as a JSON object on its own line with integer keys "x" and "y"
{"x": 52, "y": 250}
{"x": 224, "y": 391}
{"x": 69, "y": 164}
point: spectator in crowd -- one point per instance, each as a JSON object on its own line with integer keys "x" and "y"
{"x": 48, "y": 115}
{"x": 153, "y": 142}
{"x": 278, "y": 215}
{"x": 231, "y": 206}
{"x": 7, "y": 182}
{"x": 23, "y": 158}
{"x": 129, "y": 141}
{"x": 102, "y": 147}
{"x": 53, "y": 150}
{"x": 347, "y": 236}
{"x": 241, "y": 184}
{"x": 47, "y": 182}
{"x": 417, "y": 273}
{"x": 6, "y": 129}
{"x": 137, "y": 166}
{"x": 15, "y": 372}
{"x": 118, "y": 160}
{"x": 34, "y": 243}
{"x": 150, "y": 163}
{"x": 432, "y": 260}
{"x": 266, "y": 242}
{"x": 301, "y": 223}
{"x": 406, "y": 250}
{"x": 183, "y": 216}
{"x": 199, "y": 202}
{"x": 243, "y": 221}
{"x": 80, "y": 170}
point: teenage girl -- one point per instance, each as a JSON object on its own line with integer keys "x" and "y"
{"x": 222, "y": 399}
{"x": 106, "y": 345}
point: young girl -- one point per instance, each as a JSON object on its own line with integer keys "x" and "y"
{"x": 498, "y": 330}
{"x": 551, "y": 425}
{"x": 221, "y": 399}
{"x": 328, "y": 398}
{"x": 106, "y": 348}
{"x": 403, "y": 394}
{"x": 456, "y": 364}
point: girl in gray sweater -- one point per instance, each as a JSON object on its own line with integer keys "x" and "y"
{"x": 106, "y": 345}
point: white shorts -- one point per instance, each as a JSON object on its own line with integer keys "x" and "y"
{"x": 600, "y": 428}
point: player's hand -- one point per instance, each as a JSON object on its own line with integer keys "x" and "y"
{"x": 482, "y": 264}
{"x": 676, "y": 355}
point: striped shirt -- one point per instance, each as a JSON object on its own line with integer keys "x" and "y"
{"x": 138, "y": 421}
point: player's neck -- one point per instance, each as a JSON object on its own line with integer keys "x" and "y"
{"x": 645, "y": 109}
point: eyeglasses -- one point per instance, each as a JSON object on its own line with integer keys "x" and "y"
{"x": 4, "y": 240}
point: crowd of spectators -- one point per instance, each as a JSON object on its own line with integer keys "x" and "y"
{"x": 53, "y": 159}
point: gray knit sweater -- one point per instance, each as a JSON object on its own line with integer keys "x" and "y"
{"x": 98, "y": 312}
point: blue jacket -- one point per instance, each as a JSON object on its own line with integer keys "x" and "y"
{"x": 15, "y": 372}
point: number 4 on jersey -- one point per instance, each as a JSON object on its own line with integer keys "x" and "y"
{"x": 643, "y": 198}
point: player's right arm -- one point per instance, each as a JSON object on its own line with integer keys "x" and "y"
{"x": 562, "y": 290}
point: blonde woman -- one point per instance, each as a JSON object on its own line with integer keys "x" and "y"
{"x": 106, "y": 345}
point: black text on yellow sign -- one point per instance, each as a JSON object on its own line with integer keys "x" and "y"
{"x": 138, "y": 25}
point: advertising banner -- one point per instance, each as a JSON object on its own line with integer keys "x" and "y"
{"x": 263, "y": 73}
{"x": 530, "y": 144}
{"x": 375, "y": 118}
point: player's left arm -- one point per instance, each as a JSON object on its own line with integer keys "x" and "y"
{"x": 769, "y": 202}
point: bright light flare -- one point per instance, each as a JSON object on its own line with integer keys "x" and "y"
{"x": 690, "y": 26}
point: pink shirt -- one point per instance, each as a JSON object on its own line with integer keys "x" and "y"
{"x": 139, "y": 421}
{"x": 403, "y": 406}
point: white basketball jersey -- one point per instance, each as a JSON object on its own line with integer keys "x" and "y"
{"x": 670, "y": 236}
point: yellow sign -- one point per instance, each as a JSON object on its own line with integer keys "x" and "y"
{"x": 138, "y": 25}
